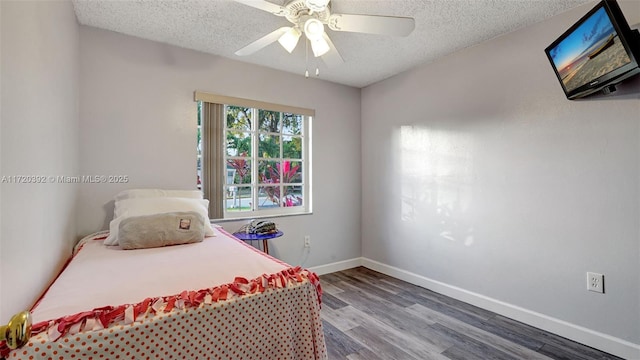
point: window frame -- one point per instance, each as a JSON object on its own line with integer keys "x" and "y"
{"x": 255, "y": 132}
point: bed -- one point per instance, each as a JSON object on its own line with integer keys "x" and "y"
{"x": 216, "y": 299}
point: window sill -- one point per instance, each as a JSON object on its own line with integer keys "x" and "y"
{"x": 218, "y": 221}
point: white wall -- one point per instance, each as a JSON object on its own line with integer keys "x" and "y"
{"x": 39, "y": 136}
{"x": 138, "y": 118}
{"x": 495, "y": 184}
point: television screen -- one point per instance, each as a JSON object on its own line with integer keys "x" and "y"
{"x": 593, "y": 51}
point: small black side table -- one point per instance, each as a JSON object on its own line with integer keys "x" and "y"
{"x": 264, "y": 237}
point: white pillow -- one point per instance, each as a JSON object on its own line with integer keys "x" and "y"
{"x": 156, "y": 205}
{"x": 147, "y": 193}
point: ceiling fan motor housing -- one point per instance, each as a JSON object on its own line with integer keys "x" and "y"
{"x": 298, "y": 12}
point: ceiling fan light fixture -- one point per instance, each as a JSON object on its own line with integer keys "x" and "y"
{"x": 316, "y": 5}
{"x": 319, "y": 47}
{"x": 313, "y": 29}
{"x": 289, "y": 39}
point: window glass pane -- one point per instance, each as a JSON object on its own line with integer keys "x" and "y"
{"x": 292, "y": 196}
{"x": 292, "y": 172}
{"x": 268, "y": 172}
{"x": 238, "y": 118}
{"x": 199, "y": 174}
{"x": 269, "y": 121}
{"x": 238, "y": 143}
{"x": 269, "y": 146}
{"x": 291, "y": 147}
{"x": 292, "y": 124}
{"x": 238, "y": 171}
{"x": 268, "y": 197}
{"x": 238, "y": 198}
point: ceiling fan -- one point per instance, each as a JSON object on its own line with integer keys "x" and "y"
{"x": 309, "y": 17}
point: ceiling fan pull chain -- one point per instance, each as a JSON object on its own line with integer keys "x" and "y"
{"x": 317, "y": 62}
{"x": 306, "y": 58}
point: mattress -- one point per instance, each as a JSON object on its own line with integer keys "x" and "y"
{"x": 218, "y": 299}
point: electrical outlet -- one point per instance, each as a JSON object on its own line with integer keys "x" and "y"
{"x": 307, "y": 241}
{"x": 595, "y": 282}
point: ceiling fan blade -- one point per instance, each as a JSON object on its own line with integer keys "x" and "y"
{"x": 262, "y": 42}
{"x": 372, "y": 24}
{"x": 265, "y": 5}
{"x": 332, "y": 58}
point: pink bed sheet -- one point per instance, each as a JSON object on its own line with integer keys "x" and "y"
{"x": 219, "y": 299}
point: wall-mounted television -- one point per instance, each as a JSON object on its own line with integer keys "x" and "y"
{"x": 598, "y": 51}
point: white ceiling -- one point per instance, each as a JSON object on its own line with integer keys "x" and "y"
{"x": 221, "y": 27}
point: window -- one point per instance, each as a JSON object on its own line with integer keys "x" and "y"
{"x": 253, "y": 158}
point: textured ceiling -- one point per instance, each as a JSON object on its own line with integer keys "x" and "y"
{"x": 221, "y": 27}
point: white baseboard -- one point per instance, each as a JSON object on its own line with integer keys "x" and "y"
{"x": 604, "y": 342}
{"x": 337, "y": 266}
